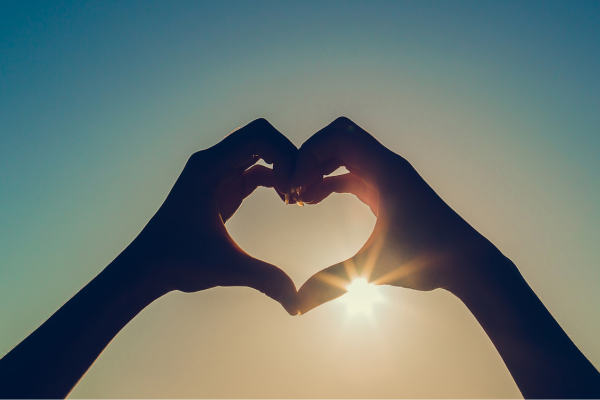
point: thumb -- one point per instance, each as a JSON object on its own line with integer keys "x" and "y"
{"x": 265, "y": 278}
{"x": 332, "y": 282}
{"x": 324, "y": 286}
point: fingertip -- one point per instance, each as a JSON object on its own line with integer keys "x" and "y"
{"x": 283, "y": 290}
{"x": 304, "y": 308}
{"x": 312, "y": 191}
{"x": 282, "y": 177}
{"x": 291, "y": 306}
{"x": 286, "y": 198}
{"x": 287, "y": 300}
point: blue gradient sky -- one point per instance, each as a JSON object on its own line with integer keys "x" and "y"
{"x": 497, "y": 105}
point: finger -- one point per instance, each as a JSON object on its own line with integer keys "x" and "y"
{"x": 259, "y": 138}
{"x": 286, "y": 199}
{"x": 330, "y": 165}
{"x": 265, "y": 278}
{"x": 324, "y": 286}
{"x": 333, "y": 282}
{"x": 310, "y": 192}
{"x": 250, "y": 163}
{"x": 256, "y": 176}
{"x": 348, "y": 183}
{"x": 355, "y": 148}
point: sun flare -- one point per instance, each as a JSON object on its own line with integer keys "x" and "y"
{"x": 361, "y": 296}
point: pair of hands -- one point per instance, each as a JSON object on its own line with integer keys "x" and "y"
{"x": 418, "y": 241}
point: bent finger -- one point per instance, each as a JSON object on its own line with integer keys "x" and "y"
{"x": 345, "y": 141}
{"x": 255, "y": 177}
{"x": 348, "y": 183}
{"x": 260, "y": 138}
{"x": 310, "y": 193}
{"x": 260, "y": 176}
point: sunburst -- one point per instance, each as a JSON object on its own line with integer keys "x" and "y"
{"x": 361, "y": 296}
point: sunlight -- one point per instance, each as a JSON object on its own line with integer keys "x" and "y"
{"x": 361, "y": 296}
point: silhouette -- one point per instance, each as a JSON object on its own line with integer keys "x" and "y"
{"x": 418, "y": 242}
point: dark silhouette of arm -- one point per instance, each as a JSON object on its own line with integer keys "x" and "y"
{"x": 184, "y": 247}
{"x": 542, "y": 359}
{"x": 50, "y": 361}
{"x": 419, "y": 242}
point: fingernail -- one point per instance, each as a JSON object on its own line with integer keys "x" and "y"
{"x": 300, "y": 203}
{"x": 287, "y": 199}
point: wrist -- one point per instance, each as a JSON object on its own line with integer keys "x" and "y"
{"x": 485, "y": 274}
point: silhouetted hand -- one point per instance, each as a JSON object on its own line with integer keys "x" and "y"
{"x": 186, "y": 245}
{"x": 418, "y": 241}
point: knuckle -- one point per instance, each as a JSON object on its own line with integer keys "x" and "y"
{"x": 199, "y": 161}
{"x": 195, "y": 158}
{"x": 401, "y": 162}
{"x": 262, "y": 129}
{"x": 344, "y": 123}
{"x": 260, "y": 124}
{"x": 342, "y": 119}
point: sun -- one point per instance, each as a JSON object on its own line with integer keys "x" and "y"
{"x": 361, "y": 296}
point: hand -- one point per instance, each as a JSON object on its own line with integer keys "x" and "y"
{"x": 418, "y": 242}
{"x": 186, "y": 245}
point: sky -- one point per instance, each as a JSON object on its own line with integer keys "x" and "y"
{"x": 496, "y": 104}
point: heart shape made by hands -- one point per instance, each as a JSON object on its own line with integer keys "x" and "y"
{"x": 418, "y": 241}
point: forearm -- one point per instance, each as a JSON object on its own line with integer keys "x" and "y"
{"x": 540, "y": 356}
{"x": 50, "y": 361}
